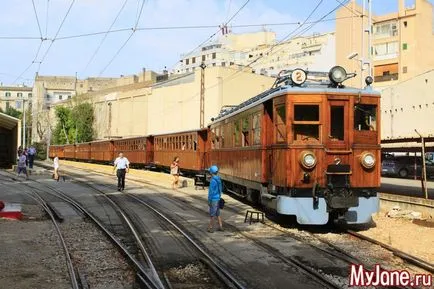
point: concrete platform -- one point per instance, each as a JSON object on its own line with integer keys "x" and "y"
{"x": 407, "y": 187}
{"x": 148, "y": 176}
{"x": 64, "y": 212}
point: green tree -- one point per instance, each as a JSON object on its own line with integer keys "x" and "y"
{"x": 61, "y": 134}
{"x": 12, "y": 112}
{"x": 82, "y": 116}
{"x": 74, "y": 124}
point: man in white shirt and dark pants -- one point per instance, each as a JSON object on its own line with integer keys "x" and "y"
{"x": 122, "y": 166}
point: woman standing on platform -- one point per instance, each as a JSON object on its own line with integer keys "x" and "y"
{"x": 174, "y": 171}
{"x": 56, "y": 167}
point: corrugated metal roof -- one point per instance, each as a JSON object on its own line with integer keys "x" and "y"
{"x": 8, "y": 122}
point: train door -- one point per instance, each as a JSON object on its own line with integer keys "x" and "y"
{"x": 338, "y": 128}
{"x": 267, "y": 141}
{"x": 204, "y": 149}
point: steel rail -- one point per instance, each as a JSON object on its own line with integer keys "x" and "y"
{"x": 407, "y": 257}
{"x": 225, "y": 272}
{"x": 69, "y": 263}
{"x": 136, "y": 237}
{"x": 150, "y": 283}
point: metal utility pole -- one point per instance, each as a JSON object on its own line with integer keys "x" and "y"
{"x": 371, "y": 73}
{"x": 202, "y": 95}
{"x": 48, "y": 142}
{"x": 424, "y": 188}
{"x": 362, "y": 50}
{"x": 110, "y": 119}
{"x": 24, "y": 123}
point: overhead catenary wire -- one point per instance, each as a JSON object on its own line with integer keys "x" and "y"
{"x": 234, "y": 75}
{"x": 218, "y": 30}
{"x": 37, "y": 18}
{"x": 46, "y": 18}
{"x": 105, "y": 36}
{"x": 125, "y": 43}
{"x": 168, "y": 28}
{"x": 31, "y": 63}
{"x": 57, "y": 33}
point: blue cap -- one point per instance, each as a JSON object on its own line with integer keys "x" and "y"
{"x": 213, "y": 169}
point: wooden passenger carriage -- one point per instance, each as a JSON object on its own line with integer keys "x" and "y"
{"x": 102, "y": 151}
{"x": 82, "y": 151}
{"x": 69, "y": 151}
{"x": 189, "y": 146}
{"x": 138, "y": 150}
{"x": 56, "y": 149}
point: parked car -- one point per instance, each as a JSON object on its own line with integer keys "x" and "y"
{"x": 405, "y": 166}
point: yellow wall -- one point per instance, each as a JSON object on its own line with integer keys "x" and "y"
{"x": 177, "y": 108}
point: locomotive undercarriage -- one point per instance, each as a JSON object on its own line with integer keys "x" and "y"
{"x": 336, "y": 201}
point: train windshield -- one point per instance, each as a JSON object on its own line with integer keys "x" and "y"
{"x": 365, "y": 117}
{"x": 306, "y": 122}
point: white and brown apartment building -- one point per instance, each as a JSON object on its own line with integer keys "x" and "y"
{"x": 402, "y": 42}
{"x": 18, "y": 97}
{"x": 263, "y": 53}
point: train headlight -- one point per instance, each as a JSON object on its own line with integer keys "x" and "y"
{"x": 308, "y": 159}
{"x": 367, "y": 160}
{"x": 337, "y": 75}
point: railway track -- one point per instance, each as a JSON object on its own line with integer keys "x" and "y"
{"x": 407, "y": 257}
{"x": 335, "y": 251}
{"x": 143, "y": 273}
{"x": 219, "y": 269}
{"x": 310, "y": 272}
{"x": 71, "y": 269}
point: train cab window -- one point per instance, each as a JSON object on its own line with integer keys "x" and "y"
{"x": 256, "y": 129}
{"x": 246, "y": 132}
{"x": 365, "y": 117}
{"x": 337, "y": 120}
{"x": 280, "y": 123}
{"x": 306, "y": 124}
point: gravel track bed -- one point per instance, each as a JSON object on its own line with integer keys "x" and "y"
{"x": 172, "y": 255}
{"x": 96, "y": 257}
{"x": 243, "y": 258}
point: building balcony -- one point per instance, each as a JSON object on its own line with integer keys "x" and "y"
{"x": 387, "y": 77}
{"x": 385, "y": 56}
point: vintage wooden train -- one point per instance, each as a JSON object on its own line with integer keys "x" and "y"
{"x": 307, "y": 147}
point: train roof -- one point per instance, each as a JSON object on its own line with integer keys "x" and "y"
{"x": 307, "y": 88}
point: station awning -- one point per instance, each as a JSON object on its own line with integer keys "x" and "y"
{"x": 8, "y": 122}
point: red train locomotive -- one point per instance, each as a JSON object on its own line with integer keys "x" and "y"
{"x": 308, "y": 147}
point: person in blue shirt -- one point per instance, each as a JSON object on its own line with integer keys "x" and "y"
{"x": 214, "y": 195}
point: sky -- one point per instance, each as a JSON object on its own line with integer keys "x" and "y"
{"x": 127, "y": 52}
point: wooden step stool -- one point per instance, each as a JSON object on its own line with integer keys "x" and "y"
{"x": 251, "y": 212}
{"x": 200, "y": 181}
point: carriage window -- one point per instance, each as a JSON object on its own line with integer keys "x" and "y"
{"x": 365, "y": 117}
{"x": 337, "y": 120}
{"x": 183, "y": 143}
{"x": 237, "y": 133}
{"x": 306, "y": 122}
{"x": 246, "y": 131}
{"x": 190, "y": 142}
{"x": 256, "y": 129}
{"x": 280, "y": 123}
{"x": 222, "y": 136}
{"x": 217, "y": 137}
